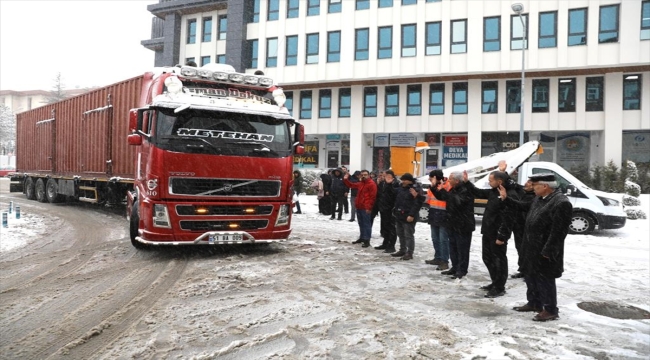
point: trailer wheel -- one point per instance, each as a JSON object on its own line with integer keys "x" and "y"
{"x": 40, "y": 190}
{"x": 30, "y": 192}
{"x": 133, "y": 227}
{"x": 581, "y": 224}
{"x": 51, "y": 191}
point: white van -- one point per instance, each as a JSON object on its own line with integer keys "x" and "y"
{"x": 591, "y": 208}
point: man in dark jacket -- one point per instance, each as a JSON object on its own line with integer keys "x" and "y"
{"x": 438, "y": 222}
{"x": 408, "y": 202}
{"x": 353, "y": 195}
{"x": 460, "y": 222}
{"x": 526, "y": 194}
{"x": 324, "y": 203}
{"x": 386, "y": 193}
{"x": 338, "y": 192}
{"x": 364, "y": 203}
{"x": 496, "y": 228}
{"x": 547, "y": 226}
{"x": 297, "y": 189}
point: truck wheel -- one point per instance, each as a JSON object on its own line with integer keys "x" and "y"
{"x": 133, "y": 227}
{"x": 51, "y": 191}
{"x": 30, "y": 191}
{"x": 40, "y": 191}
{"x": 581, "y": 223}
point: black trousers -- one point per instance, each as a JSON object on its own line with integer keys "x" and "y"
{"x": 337, "y": 200}
{"x": 518, "y": 234}
{"x": 388, "y": 230}
{"x": 496, "y": 261}
{"x": 459, "y": 246}
{"x": 542, "y": 292}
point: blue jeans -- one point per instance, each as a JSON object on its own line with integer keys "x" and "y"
{"x": 440, "y": 240}
{"x": 365, "y": 226}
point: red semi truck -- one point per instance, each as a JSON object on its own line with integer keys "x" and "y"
{"x": 198, "y": 155}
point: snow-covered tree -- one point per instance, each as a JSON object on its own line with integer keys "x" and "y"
{"x": 58, "y": 90}
{"x": 7, "y": 131}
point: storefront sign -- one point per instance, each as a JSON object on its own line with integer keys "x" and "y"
{"x": 636, "y": 146}
{"x": 454, "y": 152}
{"x": 402, "y": 139}
{"x": 432, "y": 139}
{"x": 381, "y": 140}
{"x": 310, "y": 158}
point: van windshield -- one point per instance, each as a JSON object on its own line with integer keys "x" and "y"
{"x": 220, "y": 133}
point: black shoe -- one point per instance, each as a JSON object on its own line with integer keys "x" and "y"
{"x": 494, "y": 292}
{"x": 359, "y": 241}
{"x": 487, "y": 287}
{"x": 298, "y": 212}
{"x": 517, "y": 276}
{"x": 448, "y": 272}
{"x": 351, "y": 220}
{"x": 457, "y": 276}
{"x": 528, "y": 308}
{"x": 332, "y": 218}
{"x": 381, "y": 247}
{"x": 390, "y": 250}
{"x": 398, "y": 254}
{"x": 366, "y": 244}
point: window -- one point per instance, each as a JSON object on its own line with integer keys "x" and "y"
{"x": 492, "y": 34}
{"x": 432, "y": 1}
{"x": 272, "y": 52}
{"x": 385, "y": 43}
{"x": 608, "y": 27}
{"x": 345, "y": 102}
{"x": 517, "y": 34}
{"x": 334, "y": 46}
{"x": 292, "y": 50}
{"x": 513, "y": 96}
{"x": 370, "y": 101}
{"x": 632, "y": 92}
{"x": 289, "y": 102}
{"x": 192, "y": 59}
{"x": 274, "y": 10}
{"x": 458, "y": 36}
{"x": 577, "y": 27}
{"x": 305, "y": 104}
{"x": 363, "y": 4}
{"x": 252, "y": 46}
{"x": 313, "y": 7}
{"x": 361, "y": 44}
{"x": 191, "y": 31}
{"x": 645, "y": 20}
{"x": 334, "y": 6}
{"x": 385, "y": 3}
{"x": 255, "y": 15}
{"x": 221, "y": 59}
{"x": 432, "y": 38}
{"x": 566, "y": 95}
{"x": 392, "y": 101}
{"x": 595, "y": 93}
{"x": 223, "y": 27}
{"x": 207, "y": 29}
{"x": 408, "y": 40}
{"x": 325, "y": 103}
{"x": 312, "y": 48}
{"x": 459, "y": 92}
{"x": 414, "y": 99}
{"x": 547, "y": 30}
{"x": 490, "y": 90}
{"x": 540, "y": 95}
{"x": 205, "y": 60}
{"x": 409, "y": 2}
{"x": 293, "y": 7}
{"x": 436, "y": 99}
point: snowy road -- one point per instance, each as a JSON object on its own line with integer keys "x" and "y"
{"x": 79, "y": 290}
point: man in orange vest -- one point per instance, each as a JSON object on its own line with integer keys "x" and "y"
{"x": 438, "y": 223}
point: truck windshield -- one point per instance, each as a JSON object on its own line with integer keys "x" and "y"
{"x": 221, "y": 133}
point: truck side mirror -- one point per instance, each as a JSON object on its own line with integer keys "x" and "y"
{"x": 134, "y": 139}
{"x": 299, "y": 139}
{"x": 133, "y": 120}
{"x": 570, "y": 190}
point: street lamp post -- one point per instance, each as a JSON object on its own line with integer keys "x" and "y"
{"x": 518, "y": 8}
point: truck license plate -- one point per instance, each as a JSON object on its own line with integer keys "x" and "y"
{"x": 229, "y": 237}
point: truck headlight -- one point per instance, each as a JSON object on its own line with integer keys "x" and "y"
{"x": 160, "y": 216}
{"x": 283, "y": 216}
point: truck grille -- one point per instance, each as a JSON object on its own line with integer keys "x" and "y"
{"x": 222, "y": 225}
{"x": 224, "y": 187}
{"x": 190, "y": 210}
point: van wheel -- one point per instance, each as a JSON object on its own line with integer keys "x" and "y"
{"x": 40, "y": 191}
{"x": 30, "y": 191}
{"x": 52, "y": 191}
{"x": 133, "y": 227}
{"x": 581, "y": 223}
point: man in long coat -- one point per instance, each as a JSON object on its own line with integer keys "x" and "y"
{"x": 542, "y": 250}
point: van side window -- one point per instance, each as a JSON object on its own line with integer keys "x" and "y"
{"x": 562, "y": 182}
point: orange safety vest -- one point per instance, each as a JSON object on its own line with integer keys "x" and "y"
{"x": 435, "y": 203}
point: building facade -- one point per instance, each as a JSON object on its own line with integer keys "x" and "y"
{"x": 370, "y": 78}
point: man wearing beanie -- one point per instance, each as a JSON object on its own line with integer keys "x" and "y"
{"x": 438, "y": 223}
{"x": 408, "y": 202}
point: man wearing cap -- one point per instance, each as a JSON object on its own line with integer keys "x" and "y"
{"x": 438, "y": 223}
{"x": 408, "y": 202}
{"x": 364, "y": 203}
{"x": 542, "y": 250}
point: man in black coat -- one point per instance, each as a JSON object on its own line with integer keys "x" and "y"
{"x": 408, "y": 202}
{"x": 547, "y": 226}
{"x": 338, "y": 192}
{"x": 496, "y": 229}
{"x": 526, "y": 194}
{"x": 386, "y": 194}
{"x": 460, "y": 220}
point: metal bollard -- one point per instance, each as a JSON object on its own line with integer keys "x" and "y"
{"x": 17, "y": 211}
{"x": 5, "y": 220}
{"x": 11, "y": 206}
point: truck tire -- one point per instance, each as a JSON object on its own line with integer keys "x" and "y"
{"x": 39, "y": 189}
{"x": 581, "y": 223}
{"x": 30, "y": 191}
{"x": 51, "y": 191}
{"x": 133, "y": 227}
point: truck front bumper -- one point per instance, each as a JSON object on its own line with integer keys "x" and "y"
{"x": 610, "y": 222}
